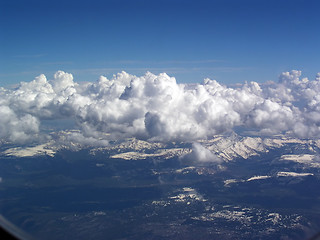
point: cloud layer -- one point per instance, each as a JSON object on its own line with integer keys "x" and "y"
{"x": 156, "y": 108}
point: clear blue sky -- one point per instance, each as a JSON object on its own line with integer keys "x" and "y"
{"x": 227, "y": 40}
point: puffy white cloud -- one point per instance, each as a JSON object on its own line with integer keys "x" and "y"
{"x": 271, "y": 117}
{"x": 201, "y": 154}
{"x": 18, "y": 129}
{"x": 155, "y": 107}
{"x": 63, "y": 83}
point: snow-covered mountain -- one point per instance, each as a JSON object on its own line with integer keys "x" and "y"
{"x": 246, "y": 186}
{"x": 222, "y": 147}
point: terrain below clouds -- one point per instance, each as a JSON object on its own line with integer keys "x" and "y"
{"x": 227, "y": 187}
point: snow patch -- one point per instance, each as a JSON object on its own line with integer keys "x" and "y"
{"x": 165, "y": 153}
{"x": 293, "y": 174}
{"x": 257, "y": 178}
{"x": 30, "y": 151}
{"x": 189, "y": 194}
{"x": 306, "y": 159}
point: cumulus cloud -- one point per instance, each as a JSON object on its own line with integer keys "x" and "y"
{"x": 201, "y": 154}
{"x": 17, "y": 129}
{"x": 157, "y": 108}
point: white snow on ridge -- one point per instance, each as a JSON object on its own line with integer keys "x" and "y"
{"x": 136, "y": 144}
{"x": 228, "y": 182}
{"x": 189, "y": 194}
{"x": 131, "y": 156}
{"x": 235, "y": 146}
{"x": 165, "y": 153}
{"x": 225, "y": 148}
{"x": 282, "y": 140}
{"x": 258, "y": 178}
{"x": 230, "y": 148}
{"x": 185, "y": 170}
{"x": 306, "y": 159}
{"x": 293, "y": 174}
{"x": 229, "y": 215}
{"x": 302, "y": 158}
{"x": 42, "y": 149}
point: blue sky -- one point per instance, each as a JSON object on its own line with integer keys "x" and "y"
{"x": 228, "y": 40}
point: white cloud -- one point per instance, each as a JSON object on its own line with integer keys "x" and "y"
{"x": 201, "y": 154}
{"x": 155, "y": 107}
{"x": 17, "y": 129}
